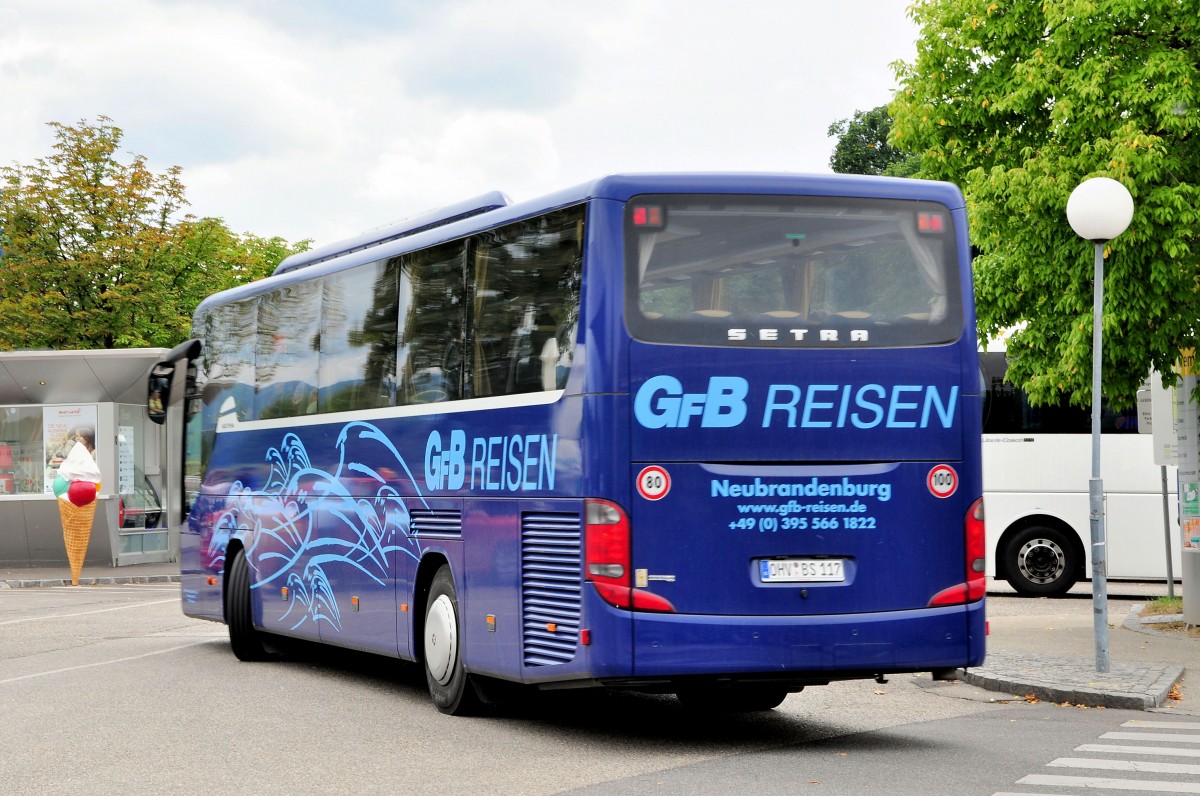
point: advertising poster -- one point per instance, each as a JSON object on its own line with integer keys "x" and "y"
{"x": 125, "y": 460}
{"x": 60, "y": 424}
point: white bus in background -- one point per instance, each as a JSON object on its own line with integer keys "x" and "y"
{"x": 1036, "y": 466}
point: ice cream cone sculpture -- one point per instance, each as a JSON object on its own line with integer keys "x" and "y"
{"x": 77, "y": 485}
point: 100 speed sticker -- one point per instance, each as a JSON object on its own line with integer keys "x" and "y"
{"x": 942, "y": 481}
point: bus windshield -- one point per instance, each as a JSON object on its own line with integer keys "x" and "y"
{"x": 791, "y": 271}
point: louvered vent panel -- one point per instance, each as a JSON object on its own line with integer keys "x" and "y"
{"x": 440, "y": 521}
{"x": 551, "y": 587}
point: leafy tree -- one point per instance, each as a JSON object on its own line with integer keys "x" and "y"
{"x": 863, "y": 146}
{"x": 1018, "y": 101}
{"x": 98, "y": 253}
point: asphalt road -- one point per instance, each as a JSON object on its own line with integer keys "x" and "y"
{"x": 110, "y": 689}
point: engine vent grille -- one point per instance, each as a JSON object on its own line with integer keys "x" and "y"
{"x": 443, "y": 522}
{"x": 551, "y": 587}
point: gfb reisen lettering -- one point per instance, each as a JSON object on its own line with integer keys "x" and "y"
{"x": 662, "y": 402}
{"x": 505, "y": 463}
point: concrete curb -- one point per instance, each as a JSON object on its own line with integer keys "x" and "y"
{"x": 1129, "y": 686}
{"x": 38, "y": 583}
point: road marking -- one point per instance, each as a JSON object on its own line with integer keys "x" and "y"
{"x": 86, "y": 613}
{"x": 1105, "y": 783}
{"x": 1124, "y": 765}
{"x": 1164, "y": 725}
{"x": 1151, "y": 736}
{"x": 101, "y": 663}
{"x": 1138, "y": 750}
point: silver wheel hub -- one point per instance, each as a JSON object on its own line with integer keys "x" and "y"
{"x": 441, "y": 640}
{"x": 1041, "y": 561}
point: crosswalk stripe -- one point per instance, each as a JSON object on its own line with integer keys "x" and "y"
{"x": 1164, "y": 725}
{"x": 1137, "y": 750}
{"x": 1108, "y": 783}
{"x": 1151, "y": 736}
{"x": 1124, "y": 765}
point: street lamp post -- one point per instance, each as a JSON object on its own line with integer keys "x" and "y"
{"x": 1099, "y": 210}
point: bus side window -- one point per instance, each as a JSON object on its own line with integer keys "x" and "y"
{"x": 287, "y": 355}
{"x": 431, "y": 301}
{"x": 358, "y": 339}
{"x": 526, "y": 304}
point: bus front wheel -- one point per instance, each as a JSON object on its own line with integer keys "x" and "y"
{"x": 247, "y": 641}
{"x": 1041, "y": 561}
{"x": 448, "y": 682}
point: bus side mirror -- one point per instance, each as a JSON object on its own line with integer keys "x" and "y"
{"x": 158, "y": 384}
{"x": 158, "y": 391}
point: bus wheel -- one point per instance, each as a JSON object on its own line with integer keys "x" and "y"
{"x": 448, "y": 683}
{"x": 1041, "y": 561}
{"x": 247, "y": 641}
{"x": 731, "y": 699}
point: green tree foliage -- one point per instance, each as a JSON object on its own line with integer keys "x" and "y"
{"x": 98, "y": 253}
{"x": 863, "y": 146}
{"x": 1018, "y": 101}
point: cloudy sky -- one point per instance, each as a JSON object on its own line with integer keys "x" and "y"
{"x": 324, "y": 118}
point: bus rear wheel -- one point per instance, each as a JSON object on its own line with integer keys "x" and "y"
{"x": 1041, "y": 561}
{"x": 448, "y": 682}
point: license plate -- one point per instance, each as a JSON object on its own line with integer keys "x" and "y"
{"x": 802, "y": 570}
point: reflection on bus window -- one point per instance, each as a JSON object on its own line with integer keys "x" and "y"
{"x": 1007, "y": 409}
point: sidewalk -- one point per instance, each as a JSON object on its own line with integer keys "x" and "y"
{"x": 1045, "y": 649}
{"x": 1041, "y": 649}
{"x": 1049, "y": 678}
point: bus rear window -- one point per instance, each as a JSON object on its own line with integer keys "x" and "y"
{"x": 791, "y": 271}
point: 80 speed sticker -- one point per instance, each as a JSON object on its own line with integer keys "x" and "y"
{"x": 942, "y": 481}
{"x": 653, "y": 482}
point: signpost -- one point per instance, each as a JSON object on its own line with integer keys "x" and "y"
{"x": 1187, "y": 427}
{"x": 1157, "y": 415}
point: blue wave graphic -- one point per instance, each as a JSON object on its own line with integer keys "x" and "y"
{"x": 324, "y": 519}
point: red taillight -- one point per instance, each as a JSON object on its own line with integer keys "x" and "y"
{"x": 606, "y": 550}
{"x": 976, "y": 552}
{"x": 975, "y": 540}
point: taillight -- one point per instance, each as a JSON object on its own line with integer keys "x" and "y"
{"x": 607, "y": 559}
{"x": 975, "y": 543}
{"x": 976, "y": 553}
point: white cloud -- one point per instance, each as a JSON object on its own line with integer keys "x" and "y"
{"x": 313, "y": 120}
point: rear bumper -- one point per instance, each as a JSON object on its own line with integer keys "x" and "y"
{"x": 809, "y": 649}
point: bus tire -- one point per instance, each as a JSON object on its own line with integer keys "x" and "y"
{"x": 1041, "y": 561}
{"x": 449, "y": 684}
{"x": 248, "y": 642}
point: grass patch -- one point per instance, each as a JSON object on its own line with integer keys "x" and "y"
{"x": 1163, "y": 605}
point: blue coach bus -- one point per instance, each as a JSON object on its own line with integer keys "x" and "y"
{"x": 715, "y": 435}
